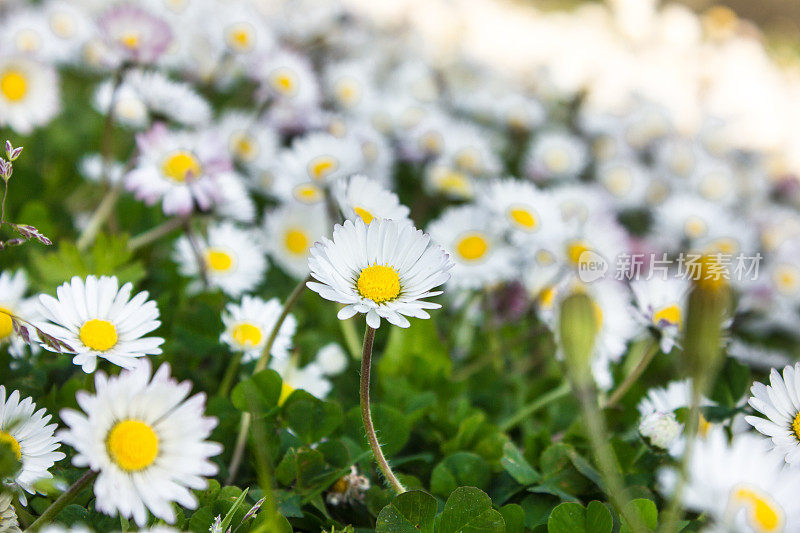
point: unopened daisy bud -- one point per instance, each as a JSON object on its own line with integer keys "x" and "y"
{"x": 11, "y": 152}
{"x": 660, "y": 429}
{"x": 577, "y": 330}
{"x": 5, "y": 169}
{"x": 706, "y": 313}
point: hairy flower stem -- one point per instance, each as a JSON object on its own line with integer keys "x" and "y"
{"x": 623, "y": 388}
{"x": 261, "y": 364}
{"x": 366, "y": 415}
{"x": 606, "y": 460}
{"x": 51, "y": 512}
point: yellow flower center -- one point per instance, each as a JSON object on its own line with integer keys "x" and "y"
{"x": 240, "y": 37}
{"x": 348, "y": 92}
{"x": 283, "y": 81}
{"x": 546, "y": 297}
{"x": 28, "y": 41}
{"x": 432, "y": 142}
{"x": 340, "y": 486}
{"x": 453, "y": 182}
{"x": 130, "y": 40}
{"x": 557, "y": 160}
{"x": 62, "y": 25}
{"x": 218, "y": 260}
{"x": 671, "y": 315}
{"x": 763, "y": 513}
{"x": 99, "y": 335}
{"x": 619, "y": 181}
{"x": 379, "y": 283}
{"x": 694, "y": 227}
{"x": 297, "y": 241}
{"x": 9, "y": 439}
{"x": 468, "y": 159}
{"x": 132, "y": 445}
{"x": 286, "y": 391}
{"x": 308, "y": 193}
{"x": 247, "y": 334}
{"x": 13, "y": 85}
{"x": 365, "y": 215}
{"x": 575, "y": 250}
{"x": 523, "y": 217}
{"x": 796, "y": 426}
{"x": 243, "y": 146}
{"x": 785, "y": 277}
{"x": 472, "y": 247}
{"x": 181, "y": 166}
{"x": 321, "y": 166}
{"x": 703, "y": 426}
{"x": 6, "y": 324}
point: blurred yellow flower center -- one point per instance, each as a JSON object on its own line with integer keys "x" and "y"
{"x": 283, "y": 81}
{"x": 6, "y": 324}
{"x": 712, "y": 275}
{"x": 785, "y": 277}
{"x": 130, "y": 40}
{"x": 670, "y": 314}
{"x": 297, "y": 241}
{"x": 8, "y": 438}
{"x": 379, "y": 283}
{"x": 286, "y": 391}
{"x": 132, "y": 445}
{"x": 99, "y": 335}
{"x": 62, "y": 25}
{"x": 619, "y": 181}
{"x": 246, "y": 334}
{"x": 432, "y": 142}
{"x": 703, "y": 426}
{"x": 796, "y": 426}
{"x": 365, "y": 215}
{"x": 307, "y": 193}
{"x": 28, "y": 41}
{"x": 472, "y": 247}
{"x": 348, "y": 91}
{"x": 340, "y": 486}
{"x": 575, "y": 250}
{"x": 13, "y": 85}
{"x": 547, "y": 296}
{"x": 181, "y": 166}
{"x": 468, "y": 159}
{"x": 218, "y": 260}
{"x": 321, "y": 166}
{"x": 523, "y": 217}
{"x": 694, "y": 227}
{"x": 240, "y": 37}
{"x": 764, "y": 515}
{"x": 243, "y": 146}
{"x": 451, "y": 181}
{"x": 557, "y": 160}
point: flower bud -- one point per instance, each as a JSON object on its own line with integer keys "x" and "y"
{"x": 708, "y": 306}
{"x": 577, "y": 331}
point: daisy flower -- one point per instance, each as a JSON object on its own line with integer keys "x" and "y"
{"x": 145, "y": 439}
{"x": 625, "y": 179}
{"x": 332, "y": 358}
{"x": 349, "y": 85}
{"x": 527, "y": 213}
{"x": 322, "y": 158}
{"x": 360, "y": 196}
{"x": 780, "y": 403}
{"x": 134, "y": 34}
{"x": 249, "y": 324}
{"x": 250, "y": 142}
{"x": 13, "y": 287}
{"x": 289, "y": 78}
{"x": 441, "y": 177}
{"x": 29, "y": 94}
{"x": 289, "y": 233}
{"x": 556, "y": 154}
{"x": 97, "y": 318}
{"x": 385, "y": 270}
{"x": 348, "y": 489}
{"x": 660, "y": 303}
{"x": 481, "y": 257}
{"x": 740, "y": 485}
{"x": 31, "y": 439}
{"x": 8, "y": 517}
{"x": 232, "y": 259}
{"x": 178, "y": 169}
{"x": 310, "y": 378}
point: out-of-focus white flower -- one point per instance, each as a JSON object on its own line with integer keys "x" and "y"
{"x": 289, "y": 233}
{"x": 360, "y": 196}
{"x": 133, "y": 33}
{"x": 332, "y": 359}
{"x": 249, "y": 324}
{"x": 29, "y": 93}
{"x": 555, "y": 155}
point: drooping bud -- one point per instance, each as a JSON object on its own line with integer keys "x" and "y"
{"x": 707, "y": 310}
{"x": 578, "y": 327}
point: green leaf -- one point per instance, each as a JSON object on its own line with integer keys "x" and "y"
{"x": 517, "y": 467}
{"x": 469, "y": 510}
{"x": 229, "y": 515}
{"x": 647, "y": 511}
{"x": 514, "y": 517}
{"x": 568, "y": 517}
{"x": 310, "y": 418}
{"x": 459, "y": 470}
{"x": 258, "y": 394}
{"x": 411, "y": 512}
{"x": 202, "y": 519}
{"x": 598, "y": 518}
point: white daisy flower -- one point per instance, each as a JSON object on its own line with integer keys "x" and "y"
{"x": 527, "y": 213}
{"x": 657, "y": 421}
{"x": 179, "y": 169}
{"x": 443, "y": 178}
{"x": 31, "y": 439}
{"x": 332, "y": 359}
{"x": 780, "y": 403}
{"x": 91, "y": 167}
{"x": 385, "y": 270}
{"x": 97, "y": 318}
{"x": 27, "y": 33}
{"x": 555, "y": 154}
{"x": 360, "y": 196}
{"x": 8, "y": 516}
{"x": 249, "y": 324}
{"x": 233, "y": 259}
{"x": 132, "y": 33}
{"x": 626, "y": 180}
{"x": 310, "y": 378}
{"x": 129, "y": 107}
{"x": 289, "y": 78}
{"x": 741, "y": 486}
{"x": 481, "y": 257}
{"x": 146, "y": 440}
{"x": 240, "y": 31}
{"x": 289, "y": 233}
{"x": 469, "y": 148}
{"x": 322, "y": 158}
{"x": 71, "y": 25}
{"x": 660, "y": 303}
{"x": 13, "y": 302}
{"x": 29, "y": 93}
{"x": 349, "y": 85}
{"x": 250, "y": 142}
{"x": 235, "y": 202}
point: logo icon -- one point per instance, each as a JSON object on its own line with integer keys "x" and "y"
{"x": 591, "y": 266}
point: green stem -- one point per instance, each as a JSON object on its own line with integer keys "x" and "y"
{"x": 261, "y": 364}
{"x": 634, "y": 376}
{"x": 51, "y": 512}
{"x": 230, "y": 375}
{"x": 366, "y": 415}
{"x": 348, "y": 328}
{"x": 540, "y": 402}
{"x": 152, "y": 235}
{"x": 99, "y": 217}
